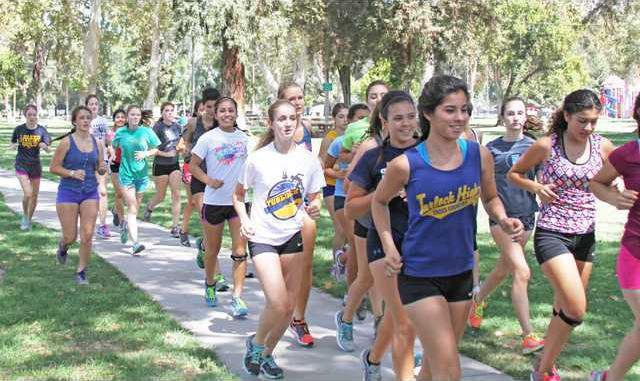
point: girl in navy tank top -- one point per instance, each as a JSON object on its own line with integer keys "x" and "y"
{"x": 564, "y": 240}
{"x": 76, "y": 160}
{"x": 444, "y": 178}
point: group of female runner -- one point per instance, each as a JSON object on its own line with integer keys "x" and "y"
{"x": 402, "y": 184}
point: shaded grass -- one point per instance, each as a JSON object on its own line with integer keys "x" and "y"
{"x": 593, "y": 345}
{"x": 50, "y": 328}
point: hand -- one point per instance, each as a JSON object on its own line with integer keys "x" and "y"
{"x": 140, "y": 155}
{"x": 313, "y": 210}
{"x": 102, "y": 170}
{"x": 215, "y": 183}
{"x": 403, "y": 194}
{"x": 625, "y": 199}
{"x": 43, "y": 146}
{"x": 354, "y": 146}
{"x": 392, "y": 262}
{"x": 475, "y": 292}
{"x": 341, "y": 174}
{"x": 546, "y": 194}
{"x": 246, "y": 229}
{"x": 514, "y": 228}
{"x": 78, "y": 174}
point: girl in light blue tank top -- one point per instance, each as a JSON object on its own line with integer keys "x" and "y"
{"x": 444, "y": 178}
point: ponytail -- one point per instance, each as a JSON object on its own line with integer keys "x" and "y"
{"x": 269, "y": 136}
{"x": 74, "y": 116}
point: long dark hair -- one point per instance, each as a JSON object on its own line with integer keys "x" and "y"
{"x": 215, "y": 108}
{"x": 354, "y": 108}
{"x": 74, "y": 116}
{"x": 372, "y": 84}
{"x": 162, "y": 107}
{"x": 433, "y": 93}
{"x": 382, "y": 109}
{"x": 196, "y": 106}
{"x": 574, "y": 103}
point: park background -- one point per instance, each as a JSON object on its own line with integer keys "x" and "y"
{"x": 54, "y": 52}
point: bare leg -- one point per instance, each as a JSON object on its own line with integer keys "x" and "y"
{"x": 629, "y": 351}
{"x": 306, "y": 281}
{"x": 103, "y": 198}
{"x": 68, "y": 216}
{"x": 88, "y": 214}
{"x": 161, "y": 183}
{"x": 174, "y": 185}
{"x": 238, "y": 249}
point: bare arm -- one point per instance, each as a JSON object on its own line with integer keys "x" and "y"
{"x": 394, "y": 180}
{"x": 492, "y": 203}
{"x": 56, "y": 167}
{"x": 199, "y": 174}
{"x": 358, "y": 202}
{"x": 536, "y": 154}
{"x": 601, "y": 186}
{"x": 329, "y": 169}
{"x": 246, "y": 228}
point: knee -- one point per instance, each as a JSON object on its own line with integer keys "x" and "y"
{"x": 28, "y": 193}
{"x": 522, "y": 274}
{"x": 69, "y": 239}
{"x": 404, "y": 329}
{"x": 283, "y": 308}
{"x": 86, "y": 238}
{"x": 365, "y": 279}
{"x": 574, "y": 314}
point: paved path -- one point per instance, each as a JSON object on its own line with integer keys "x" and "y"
{"x": 167, "y": 273}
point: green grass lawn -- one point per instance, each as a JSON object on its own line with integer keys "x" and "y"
{"x": 52, "y": 329}
{"x": 593, "y": 345}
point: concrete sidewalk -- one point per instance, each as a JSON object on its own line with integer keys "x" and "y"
{"x": 167, "y": 272}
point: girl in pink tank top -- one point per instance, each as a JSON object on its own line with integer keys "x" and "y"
{"x": 564, "y": 240}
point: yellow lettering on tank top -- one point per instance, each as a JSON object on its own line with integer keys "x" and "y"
{"x": 442, "y": 206}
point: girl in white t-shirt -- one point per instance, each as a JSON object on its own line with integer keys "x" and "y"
{"x": 282, "y": 174}
{"x": 224, "y": 150}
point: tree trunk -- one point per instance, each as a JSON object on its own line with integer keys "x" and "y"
{"x": 154, "y": 61}
{"x": 90, "y": 55}
{"x": 39, "y": 60}
{"x": 344, "y": 72}
{"x": 233, "y": 81}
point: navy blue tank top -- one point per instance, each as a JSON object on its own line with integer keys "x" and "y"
{"x": 306, "y": 138}
{"x": 439, "y": 239}
{"x": 87, "y": 161}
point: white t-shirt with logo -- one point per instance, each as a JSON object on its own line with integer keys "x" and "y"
{"x": 224, "y": 154}
{"x": 99, "y": 128}
{"x": 280, "y": 183}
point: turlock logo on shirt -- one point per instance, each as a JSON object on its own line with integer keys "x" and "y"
{"x": 30, "y": 141}
{"x": 285, "y": 197}
{"x": 442, "y": 206}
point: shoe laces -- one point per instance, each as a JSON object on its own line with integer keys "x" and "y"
{"x": 346, "y": 330}
{"x": 239, "y": 303}
{"x": 301, "y": 325}
{"x": 211, "y": 291}
{"x": 270, "y": 361}
{"x": 256, "y": 353}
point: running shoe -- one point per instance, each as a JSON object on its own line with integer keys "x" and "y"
{"x": 137, "y": 248}
{"x": 531, "y": 343}
{"x": 476, "y": 314}
{"x": 338, "y": 269}
{"x": 598, "y": 375}
{"x": 61, "y": 254}
{"x": 105, "y": 232}
{"x": 300, "y": 331}
{"x": 146, "y": 217}
{"x": 221, "y": 283}
{"x": 115, "y": 219}
{"x": 175, "y": 232}
{"x": 239, "y": 308}
{"x": 269, "y": 369}
{"x": 252, "y": 357}
{"x": 361, "y": 312}
{"x": 370, "y": 372}
{"x": 24, "y": 223}
{"x": 537, "y": 376}
{"x": 124, "y": 232}
{"x": 210, "y": 295}
{"x": 81, "y": 278}
{"x": 344, "y": 333}
{"x": 184, "y": 239}
{"x": 200, "y": 256}
{"x": 417, "y": 359}
{"x": 100, "y": 232}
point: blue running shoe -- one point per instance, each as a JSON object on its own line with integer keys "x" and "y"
{"x": 124, "y": 232}
{"x": 200, "y": 256}
{"x": 252, "y": 357}
{"x": 137, "y": 248}
{"x": 344, "y": 333}
{"x": 239, "y": 308}
{"x": 269, "y": 369}
{"x": 81, "y": 278}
